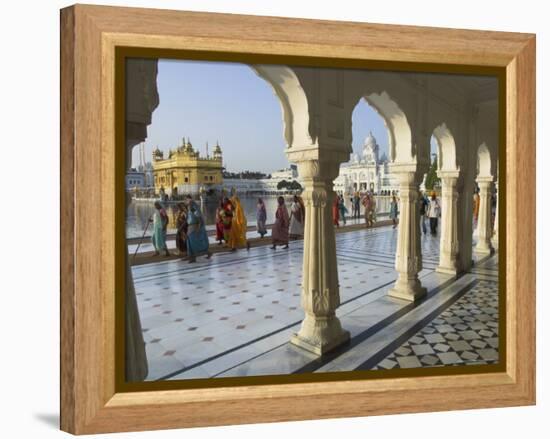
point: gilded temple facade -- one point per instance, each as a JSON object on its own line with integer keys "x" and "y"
{"x": 184, "y": 171}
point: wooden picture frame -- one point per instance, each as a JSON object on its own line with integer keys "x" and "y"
{"x": 90, "y": 36}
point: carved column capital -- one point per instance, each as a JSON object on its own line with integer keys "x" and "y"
{"x": 318, "y": 170}
{"x": 408, "y": 176}
{"x": 484, "y": 182}
{"x": 450, "y": 175}
{"x": 417, "y": 169}
{"x": 318, "y": 161}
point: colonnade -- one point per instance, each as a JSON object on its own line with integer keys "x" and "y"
{"x": 317, "y": 106}
{"x": 321, "y": 331}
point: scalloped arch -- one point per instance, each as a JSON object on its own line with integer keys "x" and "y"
{"x": 293, "y": 100}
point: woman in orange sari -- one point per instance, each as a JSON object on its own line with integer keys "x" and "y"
{"x": 237, "y": 235}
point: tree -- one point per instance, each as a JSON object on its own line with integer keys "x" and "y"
{"x": 431, "y": 178}
{"x": 295, "y": 186}
{"x": 283, "y": 184}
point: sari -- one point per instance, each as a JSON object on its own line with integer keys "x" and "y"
{"x": 226, "y": 215}
{"x": 296, "y": 220}
{"x": 219, "y": 224}
{"x": 160, "y": 222}
{"x": 279, "y": 233}
{"x": 181, "y": 233}
{"x": 197, "y": 238}
{"x": 237, "y": 235}
{"x": 393, "y": 210}
{"x": 335, "y": 212}
{"x": 261, "y": 217}
{"x": 368, "y": 209}
{"x": 476, "y": 206}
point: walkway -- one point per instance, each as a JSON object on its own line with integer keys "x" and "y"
{"x": 234, "y": 315}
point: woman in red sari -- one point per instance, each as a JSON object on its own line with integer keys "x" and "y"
{"x": 181, "y": 229}
{"x": 226, "y": 215}
{"x": 279, "y": 232}
{"x": 335, "y": 211}
{"x": 219, "y": 223}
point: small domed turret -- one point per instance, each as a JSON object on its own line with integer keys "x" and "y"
{"x": 188, "y": 147}
{"x": 217, "y": 151}
{"x": 157, "y": 154}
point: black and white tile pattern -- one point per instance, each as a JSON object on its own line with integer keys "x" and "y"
{"x": 465, "y": 333}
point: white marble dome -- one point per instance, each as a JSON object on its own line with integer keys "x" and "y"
{"x": 370, "y": 149}
{"x": 370, "y": 140}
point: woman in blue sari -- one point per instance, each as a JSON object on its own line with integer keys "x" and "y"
{"x": 160, "y": 224}
{"x": 197, "y": 238}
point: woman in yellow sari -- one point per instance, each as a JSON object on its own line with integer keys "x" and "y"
{"x": 237, "y": 235}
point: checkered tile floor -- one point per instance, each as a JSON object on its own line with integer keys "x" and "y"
{"x": 465, "y": 333}
{"x": 233, "y": 315}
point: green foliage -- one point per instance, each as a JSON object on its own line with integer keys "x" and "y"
{"x": 432, "y": 179}
{"x": 283, "y": 184}
{"x": 295, "y": 186}
{"x": 289, "y": 185}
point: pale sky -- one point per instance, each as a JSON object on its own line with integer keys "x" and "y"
{"x": 229, "y": 103}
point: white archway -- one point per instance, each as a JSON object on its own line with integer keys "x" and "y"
{"x": 405, "y": 163}
{"x": 484, "y": 161}
{"x": 446, "y": 157}
{"x": 397, "y": 125}
{"x": 448, "y": 172}
{"x": 293, "y": 100}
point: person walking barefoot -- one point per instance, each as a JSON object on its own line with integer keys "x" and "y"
{"x": 261, "y": 217}
{"x": 297, "y": 216}
{"x": 197, "y": 238}
{"x": 160, "y": 224}
{"x": 434, "y": 211}
{"x": 394, "y": 211}
{"x": 279, "y": 232}
{"x": 335, "y": 212}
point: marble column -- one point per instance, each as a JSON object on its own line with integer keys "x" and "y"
{"x": 465, "y": 221}
{"x": 448, "y": 244}
{"x": 494, "y": 239}
{"x": 408, "y": 258}
{"x": 321, "y": 330}
{"x": 136, "y": 356}
{"x": 141, "y": 100}
{"x": 484, "y": 228}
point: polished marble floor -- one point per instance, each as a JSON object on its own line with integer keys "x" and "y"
{"x": 233, "y": 315}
